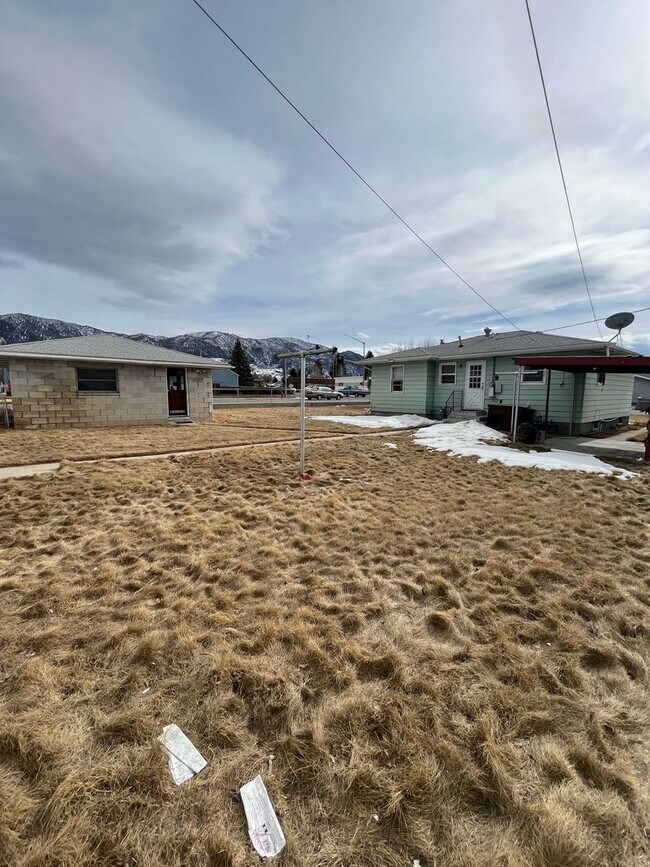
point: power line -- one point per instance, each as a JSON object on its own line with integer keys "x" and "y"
{"x": 350, "y": 166}
{"x": 589, "y": 322}
{"x": 559, "y": 162}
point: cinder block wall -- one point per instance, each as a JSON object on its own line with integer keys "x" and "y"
{"x": 199, "y": 387}
{"x": 45, "y": 395}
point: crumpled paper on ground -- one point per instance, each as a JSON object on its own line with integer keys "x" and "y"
{"x": 263, "y": 827}
{"x": 184, "y": 759}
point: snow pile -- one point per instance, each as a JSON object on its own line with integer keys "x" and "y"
{"x": 395, "y": 422}
{"x": 467, "y": 438}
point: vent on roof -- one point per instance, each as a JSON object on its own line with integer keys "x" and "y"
{"x": 441, "y": 342}
{"x": 460, "y": 340}
{"x": 487, "y": 331}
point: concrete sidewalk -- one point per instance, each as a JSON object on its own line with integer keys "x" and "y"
{"x": 617, "y": 446}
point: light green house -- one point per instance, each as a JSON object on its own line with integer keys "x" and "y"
{"x": 468, "y": 376}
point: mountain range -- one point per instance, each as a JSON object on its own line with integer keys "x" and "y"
{"x": 262, "y": 352}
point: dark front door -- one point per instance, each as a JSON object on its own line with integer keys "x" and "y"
{"x": 176, "y": 392}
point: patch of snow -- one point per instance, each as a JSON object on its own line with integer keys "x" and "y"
{"x": 468, "y": 438}
{"x": 390, "y": 445}
{"x": 395, "y": 422}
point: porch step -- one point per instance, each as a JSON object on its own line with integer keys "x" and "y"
{"x": 466, "y": 415}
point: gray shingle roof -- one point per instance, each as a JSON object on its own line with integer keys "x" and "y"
{"x": 507, "y": 343}
{"x": 107, "y": 347}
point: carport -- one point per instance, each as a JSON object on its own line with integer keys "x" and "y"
{"x": 584, "y": 364}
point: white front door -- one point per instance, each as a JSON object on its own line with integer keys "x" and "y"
{"x": 474, "y": 395}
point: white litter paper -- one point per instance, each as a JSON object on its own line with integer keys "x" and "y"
{"x": 263, "y": 826}
{"x": 184, "y": 759}
{"x": 390, "y": 445}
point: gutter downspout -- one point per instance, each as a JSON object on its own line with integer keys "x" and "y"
{"x": 573, "y": 400}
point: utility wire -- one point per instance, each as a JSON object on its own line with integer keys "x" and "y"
{"x": 559, "y": 162}
{"x": 589, "y": 322}
{"x": 351, "y": 167}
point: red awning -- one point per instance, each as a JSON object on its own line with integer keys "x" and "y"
{"x": 588, "y": 363}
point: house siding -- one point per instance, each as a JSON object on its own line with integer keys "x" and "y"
{"x": 45, "y": 395}
{"x": 417, "y": 396}
{"x": 606, "y": 403}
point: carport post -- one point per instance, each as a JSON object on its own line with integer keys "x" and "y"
{"x": 549, "y": 373}
{"x": 515, "y": 409}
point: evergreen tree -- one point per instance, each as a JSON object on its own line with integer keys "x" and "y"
{"x": 317, "y": 371}
{"x": 240, "y": 362}
{"x": 294, "y": 372}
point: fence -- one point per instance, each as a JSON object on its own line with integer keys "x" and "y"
{"x": 252, "y": 392}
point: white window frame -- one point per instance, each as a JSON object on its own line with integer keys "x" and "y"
{"x": 403, "y": 379}
{"x": 530, "y": 368}
{"x": 441, "y": 374}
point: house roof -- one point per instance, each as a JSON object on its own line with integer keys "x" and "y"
{"x": 506, "y": 343}
{"x": 106, "y": 347}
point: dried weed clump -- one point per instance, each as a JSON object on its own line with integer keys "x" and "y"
{"x": 445, "y": 659}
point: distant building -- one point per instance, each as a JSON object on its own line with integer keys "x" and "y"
{"x": 342, "y": 381}
{"x": 225, "y": 377}
{"x": 641, "y": 388}
{"x": 105, "y": 380}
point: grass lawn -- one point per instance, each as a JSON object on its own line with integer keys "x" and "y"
{"x": 229, "y": 427}
{"x": 446, "y": 660}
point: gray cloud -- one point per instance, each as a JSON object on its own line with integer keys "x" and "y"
{"x": 99, "y": 175}
{"x": 151, "y": 181}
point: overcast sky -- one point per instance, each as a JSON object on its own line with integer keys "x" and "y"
{"x": 151, "y": 180}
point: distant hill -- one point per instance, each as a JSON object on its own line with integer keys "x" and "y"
{"x": 22, "y": 328}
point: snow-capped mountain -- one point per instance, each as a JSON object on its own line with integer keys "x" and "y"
{"x": 21, "y": 328}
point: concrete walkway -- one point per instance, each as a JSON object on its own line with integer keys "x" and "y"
{"x": 617, "y": 446}
{"x": 37, "y": 469}
{"x": 27, "y": 470}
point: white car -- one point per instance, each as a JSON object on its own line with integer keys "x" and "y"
{"x": 322, "y": 392}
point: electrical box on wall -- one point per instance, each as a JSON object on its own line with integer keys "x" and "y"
{"x": 494, "y": 389}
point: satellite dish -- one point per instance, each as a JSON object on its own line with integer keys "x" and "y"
{"x": 618, "y": 321}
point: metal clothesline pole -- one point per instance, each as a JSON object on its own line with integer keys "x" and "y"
{"x": 302, "y": 355}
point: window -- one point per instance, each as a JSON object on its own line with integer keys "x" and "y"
{"x": 533, "y": 374}
{"x": 475, "y": 376}
{"x": 600, "y": 379}
{"x": 96, "y": 379}
{"x": 448, "y": 373}
{"x": 397, "y": 378}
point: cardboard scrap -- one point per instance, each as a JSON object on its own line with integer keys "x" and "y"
{"x": 184, "y": 759}
{"x": 263, "y": 826}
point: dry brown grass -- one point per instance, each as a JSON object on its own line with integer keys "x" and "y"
{"x": 230, "y": 427}
{"x": 453, "y": 647}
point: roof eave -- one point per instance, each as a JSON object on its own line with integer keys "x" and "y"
{"x": 42, "y": 356}
{"x": 537, "y": 350}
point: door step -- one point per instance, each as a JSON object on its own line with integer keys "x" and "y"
{"x": 183, "y": 420}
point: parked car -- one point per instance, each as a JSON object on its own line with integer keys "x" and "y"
{"x": 322, "y": 392}
{"x": 355, "y": 391}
